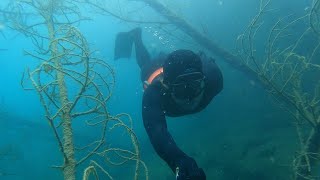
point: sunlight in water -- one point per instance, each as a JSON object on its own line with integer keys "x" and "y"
{"x": 1, "y": 26}
{"x": 220, "y": 2}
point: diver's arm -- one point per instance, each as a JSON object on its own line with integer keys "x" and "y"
{"x": 156, "y": 127}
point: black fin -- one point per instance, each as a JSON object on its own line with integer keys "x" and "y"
{"x": 123, "y": 45}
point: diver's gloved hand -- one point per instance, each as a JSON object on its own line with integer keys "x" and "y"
{"x": 188, "y": 169}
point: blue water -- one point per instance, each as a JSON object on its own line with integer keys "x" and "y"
{"x": 242, "y": 134}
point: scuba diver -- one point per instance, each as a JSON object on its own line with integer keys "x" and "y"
{"x": 176, "y": 84}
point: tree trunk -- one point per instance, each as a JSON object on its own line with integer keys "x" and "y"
{"x": 307, "y": 165}
{"x": 68, "y": 146}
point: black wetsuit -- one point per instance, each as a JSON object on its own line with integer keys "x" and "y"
{"x": 157, "y": 104}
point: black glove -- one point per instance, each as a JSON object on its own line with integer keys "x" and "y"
{"x": 188, "y": 169}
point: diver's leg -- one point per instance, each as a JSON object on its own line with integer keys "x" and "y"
{"x": 142, "y": 54}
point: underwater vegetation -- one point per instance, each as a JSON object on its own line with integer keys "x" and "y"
{"x": 74, "y": 86}
{"x": 289, "y": 69}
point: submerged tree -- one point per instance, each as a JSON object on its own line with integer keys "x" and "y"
{"x": 73, "y": 85}
{"x": 286, "y": 61}
{"x": 286, "y": 64}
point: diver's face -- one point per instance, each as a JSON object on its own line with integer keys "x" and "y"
{"x": 187, "y": 90}
{"x": 188, "y": 104}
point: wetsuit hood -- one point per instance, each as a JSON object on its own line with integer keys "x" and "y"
{"x": 182, "y": 73}
{"x": 180, "y": 62}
